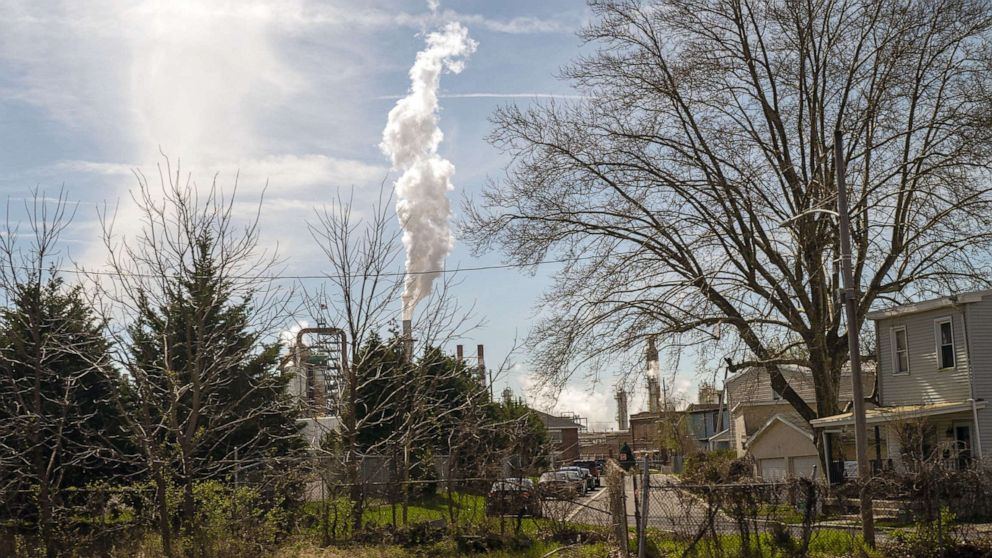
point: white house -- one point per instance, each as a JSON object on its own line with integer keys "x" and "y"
{"x": 934, "y": 368}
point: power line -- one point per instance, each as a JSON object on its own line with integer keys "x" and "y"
{"x": 279, "y": 277}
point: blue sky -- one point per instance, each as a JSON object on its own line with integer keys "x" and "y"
{"x": 295, "y": 92}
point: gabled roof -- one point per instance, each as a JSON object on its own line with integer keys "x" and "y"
{"x": 867, "y": 367}
{"x": 770, "y": 422}
{"x": 926, "y": 305}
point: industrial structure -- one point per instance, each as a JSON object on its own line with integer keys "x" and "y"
{"x": 480, "y": 364}
{"x": 316, "y": 363}
{"x": 622, "y": 417}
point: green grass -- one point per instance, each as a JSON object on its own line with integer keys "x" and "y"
{"x": 780, "y": 512}
{"x": 429, "y": 509}
{"x": 825, "y": 543}
{"x": 469, "y": 512}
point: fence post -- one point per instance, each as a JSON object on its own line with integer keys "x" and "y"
{"x": 642, "y": 530}
{"x": 616, "y": 487}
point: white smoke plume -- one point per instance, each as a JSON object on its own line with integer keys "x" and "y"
{"x": 411, "y": 139}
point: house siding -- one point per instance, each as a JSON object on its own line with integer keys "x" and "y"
{"x": 979, "y": 317}
{"x": 924, "y": 383}
{"x": 752, "y": 390}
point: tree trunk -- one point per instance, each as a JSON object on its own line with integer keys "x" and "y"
{"x": 189, "y": 508}
{"x": 162, "y": 499}
{"x": 47, "y": 535}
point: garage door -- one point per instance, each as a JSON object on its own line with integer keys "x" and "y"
{"x": 772, "y": 469}
{"x": 804, "y": 466}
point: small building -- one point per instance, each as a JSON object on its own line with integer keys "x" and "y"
{"x": 934, "y": 382}
{"x": 602, "y": 445}
{"x": 670, "y": 432}
{"x": 645, "y": 435}
{"x": 766, "y": 427}
{"x": 563, "y": 432}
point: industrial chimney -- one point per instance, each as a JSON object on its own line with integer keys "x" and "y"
{"x": 481, "y": 352}
{"x": 708, "y": 394}
{"x": 654, "y": 374}
{"x": 407, "y": 341}
{"x": 621, "y": 396}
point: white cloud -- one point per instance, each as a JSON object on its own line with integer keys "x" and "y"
{"x": 595, "y": 403}
{"x": 285, "y": 174}
{"x": 305, "y": 14}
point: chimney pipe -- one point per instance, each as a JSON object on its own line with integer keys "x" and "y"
{"x": 481, "y": 352}
{"x": 407, "y": 341}
{"x": 654, "y": 376}
{"x": 621, "y": 396}
{"x": 459, "y": 353}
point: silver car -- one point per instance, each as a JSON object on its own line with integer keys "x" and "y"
{"x": 585, "y": 474}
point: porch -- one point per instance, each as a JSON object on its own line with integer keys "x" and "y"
{"x": 902, "y": 437}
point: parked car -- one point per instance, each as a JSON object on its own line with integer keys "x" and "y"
{"x": 594, "y": 469}
{"x": 561, "y": 484}
{"x": 584, "y": 473}
{"x": 513, "y": 496}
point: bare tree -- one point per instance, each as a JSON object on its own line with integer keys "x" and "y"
{"x": 692, "y": 190}
{"x": 192, "y": 306}
{"x": 429, "y": 401}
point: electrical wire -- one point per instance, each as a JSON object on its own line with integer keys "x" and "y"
{"x": 280, "y": 277}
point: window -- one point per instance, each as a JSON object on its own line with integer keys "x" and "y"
{"x": 944, "y": 332}
{"x": 900, "y": 351}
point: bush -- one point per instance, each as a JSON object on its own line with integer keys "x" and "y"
{"x": 715, "y": 467}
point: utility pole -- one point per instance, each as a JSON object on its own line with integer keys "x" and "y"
{"x": 850, "y": 304}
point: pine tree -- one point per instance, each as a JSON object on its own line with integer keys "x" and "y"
{"x": 201, "y": 337}
{"x": 59, "y": 426}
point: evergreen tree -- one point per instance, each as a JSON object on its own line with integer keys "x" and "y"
{"x": 59, "y": 426}
{"x": 378, "y": 401}
{"x": 200, "y": 335}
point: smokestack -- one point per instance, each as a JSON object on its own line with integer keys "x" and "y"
{"x": 410, "y": 139}
{"x": 481, "y": 352}
{"x": 407, "y": 341}
{"x": 654, "y": 376}
{"x": 621, "y": 396}
{"x": 459, "y": 354}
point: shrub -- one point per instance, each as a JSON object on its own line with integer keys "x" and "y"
{"x": 715, "y": 467}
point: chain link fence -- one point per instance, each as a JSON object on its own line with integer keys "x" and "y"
{"x": 642, "y": 512}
